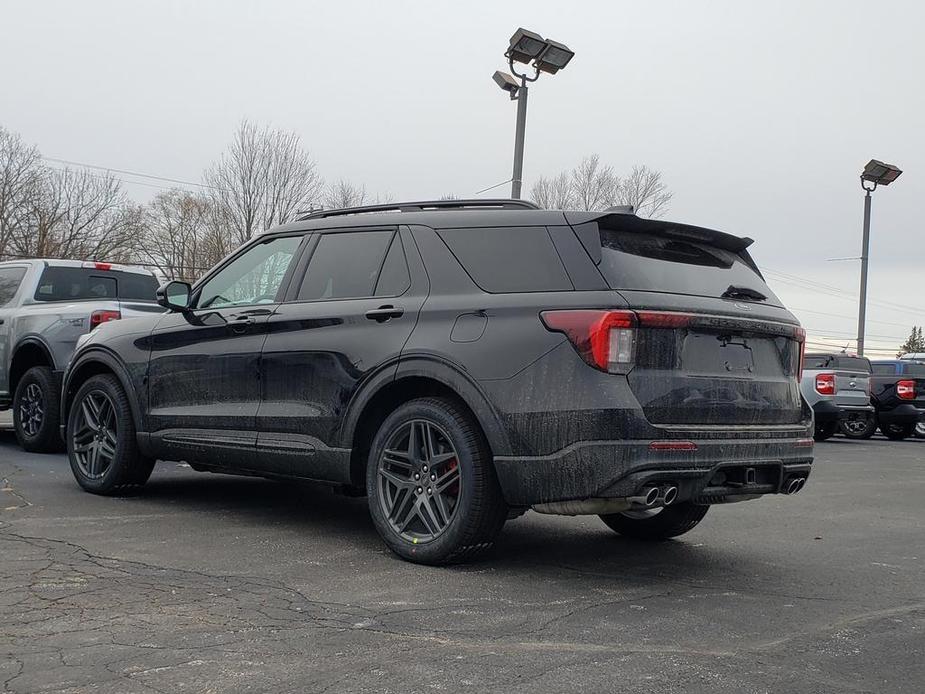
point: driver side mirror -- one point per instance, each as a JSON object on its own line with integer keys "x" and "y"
{"x": 174, "y": 296}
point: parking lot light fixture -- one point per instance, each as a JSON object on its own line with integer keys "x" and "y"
{"x": 546, "y": 56}
{"x": 875, "y": 173}
{"x": 880, "y": 173}
{"x": 525, "y": 46}
{"x": 554, "y": 58}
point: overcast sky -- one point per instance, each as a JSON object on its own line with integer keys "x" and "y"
{"x": 759, "y": 115}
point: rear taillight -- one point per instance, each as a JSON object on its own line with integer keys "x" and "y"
{"x": 799, "y": 334}
{"x": 905, "y": 389}
{"x": 605, "y": 339}
{"x": 100, "y": 317}
{"x": 825, "y": 384}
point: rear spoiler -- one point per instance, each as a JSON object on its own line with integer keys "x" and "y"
{"x": 587, "y": 225}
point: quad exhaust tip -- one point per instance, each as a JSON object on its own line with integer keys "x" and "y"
{"x": 795, "y": 484}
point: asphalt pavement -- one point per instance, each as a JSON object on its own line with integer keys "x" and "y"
{"x": 209, "y": 583}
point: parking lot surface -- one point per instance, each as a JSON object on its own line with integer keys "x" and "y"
{"x": 207, "y": 583}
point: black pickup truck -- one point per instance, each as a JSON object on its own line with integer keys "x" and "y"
{"x": 897, "y": 392}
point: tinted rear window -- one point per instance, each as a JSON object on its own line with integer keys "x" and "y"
{"x": 816, "y": 361}
{"x": 914, "y": 370}
{"x": 136, "y": 286}
{"x": 345, "y": 265}
{"x": 515, "y": 259}
{"x": 883, "y": 369}
{"x": 78, "y": 284}
{"x": 10, "y": 277}
{"x": 852, "y": 364}
{"x": 647, "y": 262}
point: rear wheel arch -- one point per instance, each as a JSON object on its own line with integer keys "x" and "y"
{"x": 28, "y": 353}
{"x": 416, "y": 380}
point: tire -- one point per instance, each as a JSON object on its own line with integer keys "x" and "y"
{"x": 118, "y": 467}
{"x": 664, "y": 523}
{"x": 859, "y": 428}
{"x": 36, "y": 411}
{"x": 920, "y": 430}
{"x": 897, "y": 432}
{"x": 824, "y": 431}
{"x": 454, "y": 509}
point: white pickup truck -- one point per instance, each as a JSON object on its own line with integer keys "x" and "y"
{"x": 45, "y": 306}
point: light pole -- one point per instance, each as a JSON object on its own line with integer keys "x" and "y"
{"x": 874, "y": 174}
{"x": 546, "y": 56}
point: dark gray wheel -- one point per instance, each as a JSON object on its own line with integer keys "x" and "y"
{"x": 657, "y": 523}
{"x": 862, "y": 428}
{"x": 418, "y": 479}
{"x": 433, "y": 494}
{"x": 101, "y": 444}
{"x": 35, "y": 411}
{"x": 897, "y": 432}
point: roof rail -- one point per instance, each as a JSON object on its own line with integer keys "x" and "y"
{"x": 495, "y": 203}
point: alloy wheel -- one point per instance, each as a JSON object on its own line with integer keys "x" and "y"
{"x": 94, "y": 434}
{"x": 32, "y": 410}
{"x": 419, "y": 481}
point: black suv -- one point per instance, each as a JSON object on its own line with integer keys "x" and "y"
{"x": 460, "y": 362}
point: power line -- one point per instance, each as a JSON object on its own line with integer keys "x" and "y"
{"x": 130, "y": 173}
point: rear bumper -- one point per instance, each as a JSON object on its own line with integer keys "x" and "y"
{"x": 826, "y": 411}
{"x": 902, "y": 415}
{"x": 614, "y": 469}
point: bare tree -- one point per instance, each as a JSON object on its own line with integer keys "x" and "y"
{"x": 342, "y": 193}
{"x": 646, "y": 192}
{"x": 553, "y": 193}
{"x": 177, "y": 235}
{"x": 20, "y": 182}
{"x": 262, "y": 180}
{"x": 75, "y": 214}
{"x": 593, "y": 186}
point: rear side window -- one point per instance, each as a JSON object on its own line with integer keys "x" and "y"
{"x": 137, "y": 287}
{"x": 75, "y": 284}
{"x": 852, "y": 364}
{"x": 811, "y": 362}
{"x": 394, "y": 278}
{"x": 883, "y": 369}
{"x": 345, "y": 265}
{"x": 10, "y": 277}
{"x": 515, "y": 259}
{"x": 648, "y": 262}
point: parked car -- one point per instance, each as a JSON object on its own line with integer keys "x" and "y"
{"x": 898, "y": 394}
{"x": 45, "y": 305}
{"x": 460, "y": 362}
{"x": 837, "y": 387}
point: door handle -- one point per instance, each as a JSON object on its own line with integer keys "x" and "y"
{"x": 384, "y": 313}
{"x": 240, "y": 323}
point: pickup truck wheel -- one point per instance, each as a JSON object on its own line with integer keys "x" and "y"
{"x": 825, "y": 430}
{"x": 657, "y": 523}
{"x": 433, "y": 494}
{"x": 897, "y": 432}
{"x": 101, "y": 445}
{"x": 859, "y": 428}
{"x": 920, "y": 430}
{"x": 36, "y": 406}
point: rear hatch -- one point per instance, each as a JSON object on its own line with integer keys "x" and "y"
{"x": 714, "y": 345}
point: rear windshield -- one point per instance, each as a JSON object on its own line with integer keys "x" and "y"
{"x": 647, "y": 262}
{"x": 852, "y": 364}
{"x": 79, "y": 284}
{"x": 914, "y": 369}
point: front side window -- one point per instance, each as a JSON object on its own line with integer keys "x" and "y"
{"x": 252, "y": 278}
{"x": 10, "y": 277}
{"x": 345, "y": 265}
